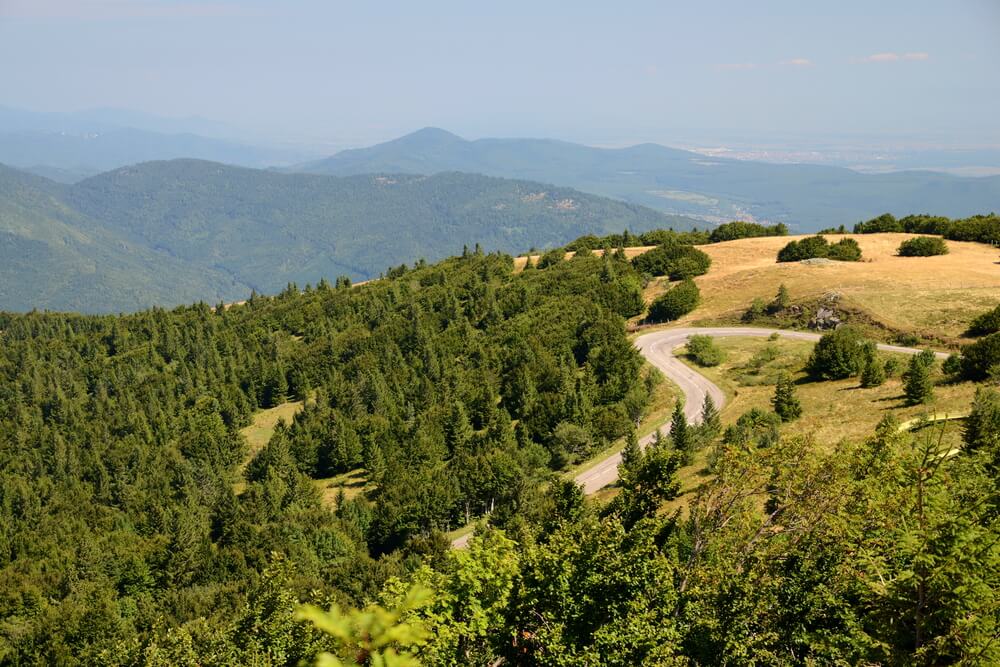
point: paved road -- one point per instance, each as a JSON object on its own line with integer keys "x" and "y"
{"x": 658, "y": 349}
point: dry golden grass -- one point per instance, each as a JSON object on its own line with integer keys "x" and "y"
{"x": 353, "y": 483}
{"x": 261, "y": 428}
{"x": 937, "y": 295}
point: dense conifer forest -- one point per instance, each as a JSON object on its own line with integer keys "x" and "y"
{"x": 138, "y": 528}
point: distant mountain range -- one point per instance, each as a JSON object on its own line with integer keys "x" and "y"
{"x": 68, "y": 147}
{"x": 179, "y": 231}
{"x": 806, "y": 197}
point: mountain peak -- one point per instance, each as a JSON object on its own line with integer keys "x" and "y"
{"x": 428, "y": 136}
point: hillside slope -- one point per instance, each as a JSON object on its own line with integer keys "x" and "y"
{"x": 806, "y": 197}
{"x": 52, "y": 256}
{"x": 164, "y": 233}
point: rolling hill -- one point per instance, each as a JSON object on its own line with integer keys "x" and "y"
{"x": 806, "y": 197}
{"x": 164, "y": 233}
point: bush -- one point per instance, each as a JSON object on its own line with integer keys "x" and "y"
{"x": 952, "y": 365}
{"x": 979, "y": 228}
{"x": 742, "y": 230}
{"x": 987, "y": 323}
{"x": 678, "y": 301}
{"x": 839, "y": 354}
{"x": 981, "y": 358}
{"x": 704, "y": 351}
{"x": 551, "y": 258}
{"x": 922, "y": 246}
{"x": 844, "y": 250}
{"x": 678, "y": 261}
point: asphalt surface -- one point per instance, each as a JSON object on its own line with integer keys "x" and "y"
{"x": 658, "y": 348}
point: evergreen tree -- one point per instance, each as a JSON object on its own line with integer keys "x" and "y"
{"x": 786, "y": 403}
{"x": 917, "y": 383}
{"x": 680, "y": 434}
{"x": 710, "y": 419}
{"x": 873, "y": 374}
{"x": 632, "y": 457}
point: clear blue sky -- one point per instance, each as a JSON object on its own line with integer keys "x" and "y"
{"x": 353, "y": 72}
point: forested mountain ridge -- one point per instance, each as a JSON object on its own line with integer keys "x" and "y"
{"x": 164, "y": 233}
{"x": 136, "y": 528}
{"x": 456, "y": 387}
{"x": 54, "y": 256}
{"x": 805, "y": 197}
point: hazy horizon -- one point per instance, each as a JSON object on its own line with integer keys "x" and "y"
{"x": 330, "y": 76}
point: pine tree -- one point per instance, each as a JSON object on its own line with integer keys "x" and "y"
{"x": 710, "y": 420}
{"x": 632, "y": 458}
{"x": 873, "y": 374}
{"x": 679, "y": 433}
{"x": 786, "y": 403}
{"x": 918, "y": 385}
{"x": 782, "y": 299}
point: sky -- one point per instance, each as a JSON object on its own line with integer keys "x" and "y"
{"x": 349, "y": 73}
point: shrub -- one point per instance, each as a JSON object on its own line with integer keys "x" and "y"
{"x": 741, "y": 230}
{"x": 704, "y": 350}
{"x": 678, "y": 261}
{"x": 892, "y": 367}
{"x": 844, "y": 250}
{"x": 884, "y": 223}
{"x": 922, "y": 246}
{"x": 551, "y": 258}
{"x": 756, "y": 310}
{"x": 981, "y": 358}
{"x": 754, "y": 427}
{"x": 952, "y": 365}
{"x": 987, "y": 323}
{"x": 839, "y": 354}
{"x": 676, "y": 302}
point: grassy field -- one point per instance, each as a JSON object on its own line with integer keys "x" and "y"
{"x": 831, "y": 411}
{"x": 930, "y": 296}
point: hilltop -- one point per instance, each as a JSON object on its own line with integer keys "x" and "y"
{"x": 806, "y": 197}
{"x": 165, "y": 233}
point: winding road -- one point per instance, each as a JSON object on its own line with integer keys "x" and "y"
{"x": 658, "y": 348}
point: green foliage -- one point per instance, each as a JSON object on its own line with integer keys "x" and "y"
{"x": 844, "y": 250}
{"x": 655, "y": 237}
{"x": 785, "y": 403}
{"x": 986, "y": 323}
{"x": 680, "y": 433}
{"x": 981, "y": 228}
{"x": 731, "y": 231}
{"x": 373, "y": 636}
{"x": 922, "y": 246}
{"x": 123, "y": 474}
{"x": 676, "y": 302}
{"x": 982, "y": 428}
{"x": 678, "y": 262}
{"x": 839, "y": 354}
{"x": 917, "y": 382}
{"x": 952, "y": 365}
{"x": 981, "y": 358}
{"x": 551, "y": 258}
{"x": 219, "y": 231}
{"x": 704, "y": 351}
{"x": 873, "y": 372}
